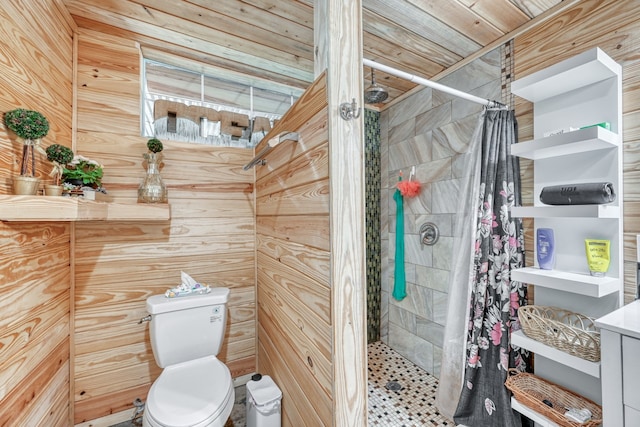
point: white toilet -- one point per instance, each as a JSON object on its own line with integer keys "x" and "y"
{"x": 195, "y": 389}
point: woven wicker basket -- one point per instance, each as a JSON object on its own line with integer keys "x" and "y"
{"x": 565, "y": 330}
{"x": 530, "y": 391}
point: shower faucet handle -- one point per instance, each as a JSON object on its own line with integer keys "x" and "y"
{"x": 429, "y": 234}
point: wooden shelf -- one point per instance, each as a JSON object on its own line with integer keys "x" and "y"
{"x": 582, "y": 284}
{"x": 590, "y": 67}
{"x": 138, "y": 211}
{"x": 564, "y": 144}
{"x": 43, "y": 208}
{"x": 519, "y": 339}
{"x": 567, "y": 211}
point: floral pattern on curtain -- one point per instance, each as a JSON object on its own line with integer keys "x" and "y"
{"x": 495, "y": 299}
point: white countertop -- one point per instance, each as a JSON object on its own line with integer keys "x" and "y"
{"x": 625, "y": 320}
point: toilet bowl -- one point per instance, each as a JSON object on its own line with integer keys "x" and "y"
{"x": 195, "y": 389}
{"x": 198, "y": 393}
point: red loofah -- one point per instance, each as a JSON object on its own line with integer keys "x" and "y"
{"x": 409, "y": 188}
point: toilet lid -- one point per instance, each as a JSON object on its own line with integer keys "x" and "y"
{"x": 191, "y": 392}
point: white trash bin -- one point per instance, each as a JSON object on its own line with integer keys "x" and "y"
{"x": 263, "y": 402}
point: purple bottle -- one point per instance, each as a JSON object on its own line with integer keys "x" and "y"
{"x": 545, "y": 248}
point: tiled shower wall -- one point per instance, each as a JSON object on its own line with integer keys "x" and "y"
{"x": 372, "y": 203}
{"x": 431, "y": 131}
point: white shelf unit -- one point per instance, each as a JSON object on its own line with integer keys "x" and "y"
{"x": 578, "y": 72}
{"x": 540, "y": 420}
{"x": 566, "y": 144}
{"x": 588, "y": 367}
{"x": 576, "y": 283}
{"x": 569, "y": 211}
{"x": 576, "y": 93}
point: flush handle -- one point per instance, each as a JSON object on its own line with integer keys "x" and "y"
{"x": 145, "y": 319}
{"x": 429, "y": 234}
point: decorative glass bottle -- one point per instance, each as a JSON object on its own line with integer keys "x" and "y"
{"x": 152, "y": 189}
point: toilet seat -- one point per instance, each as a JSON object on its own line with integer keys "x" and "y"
{"x": 191, "y": 394}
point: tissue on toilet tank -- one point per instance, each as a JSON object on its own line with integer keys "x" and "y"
{"x": 545, "y": 248}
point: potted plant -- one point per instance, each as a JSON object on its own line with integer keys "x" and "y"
{"x": 152, "y": 188}
{"x": 154, "y": 145}
{"x": 85, "y": 174}
{"x": 59, "y": 155}
{"x": 31, "y": 127}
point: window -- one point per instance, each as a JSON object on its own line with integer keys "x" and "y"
{"x": 184, "y": 105}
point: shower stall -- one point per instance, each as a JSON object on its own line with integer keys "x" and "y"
{"x": 429, "y": 130}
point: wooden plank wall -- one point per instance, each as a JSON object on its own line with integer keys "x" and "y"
{"x": 294, "y": 295}
{"x": 211, "y": 235}
{"x": 614, "y": 26}
{"x": 36, "y": 73}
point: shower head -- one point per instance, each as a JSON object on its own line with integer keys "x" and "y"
{"x": 375, "y": 93}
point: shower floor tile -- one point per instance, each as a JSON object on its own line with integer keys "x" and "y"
{"x": 400, "y": 393}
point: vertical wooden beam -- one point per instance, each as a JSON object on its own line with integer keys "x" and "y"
{"x": 339, "y": 24}
{"x": 72, "y": 240}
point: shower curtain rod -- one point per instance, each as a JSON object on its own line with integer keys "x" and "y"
{"x": 413, "y": 78}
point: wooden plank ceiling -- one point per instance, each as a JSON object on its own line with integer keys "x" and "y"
{"x": 269, "y": 43}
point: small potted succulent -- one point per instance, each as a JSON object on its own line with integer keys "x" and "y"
{"x": 83, "y": 174}
{"x": 154, "y": 145}
{"x": 59, "y": 155}
{"x": 152, "y": 188}
{"x": 31, "y": 127}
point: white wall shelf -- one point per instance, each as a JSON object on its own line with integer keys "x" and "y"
{"x": 582, "y": 70}
{"x": 576, "y": 283}
{"x": 540, "y": 419}
{"x": 590, "y": 368}
{"x": 58, "y": 208}
{"x": 567, "y": 211}
{"x": 564, "y": 144}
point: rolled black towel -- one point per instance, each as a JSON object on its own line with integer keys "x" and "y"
{"x": 593, "y": 193}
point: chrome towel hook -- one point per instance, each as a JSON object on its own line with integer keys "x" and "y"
{"x": 350, "y": 110}
{"x": 429, "y": 234}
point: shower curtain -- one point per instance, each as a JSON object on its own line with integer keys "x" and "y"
{"x": 483, "y": 302}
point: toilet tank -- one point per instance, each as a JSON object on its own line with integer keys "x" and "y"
{"x": 187, "y": 328}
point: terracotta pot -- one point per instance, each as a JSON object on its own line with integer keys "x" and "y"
{"x": 26, "y": 185}
{"x": 52, "y": 190}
